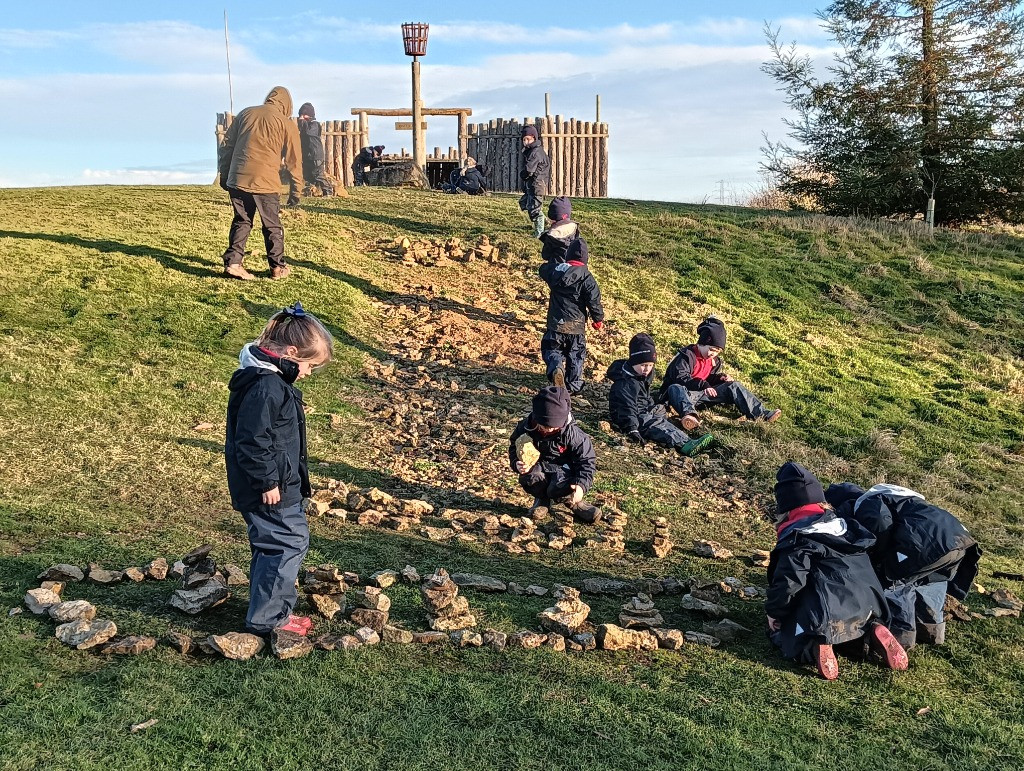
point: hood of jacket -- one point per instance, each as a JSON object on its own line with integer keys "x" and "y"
{"x": 564, "y": 231}
{"x": 565, "y": 275}
{"x": 840, "y": 534}
{"x": 280, "y": 98}
{"x": 251, "y": 367}
{"x": 620, "y": 369}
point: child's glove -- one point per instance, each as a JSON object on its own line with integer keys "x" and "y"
{"x": 598, "y": 325}
{"x": 634, "y": 436}
{"x": 524, "y": 175}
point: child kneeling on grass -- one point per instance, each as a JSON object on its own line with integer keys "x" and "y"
{"x": 694, "y": 378}
{"x": 822, "y": 589}
{"x": 265, "y": 454}
{"x": 922, "y": 553}
{"x": 565, "y": 468}
{"x": 632, "y": 410}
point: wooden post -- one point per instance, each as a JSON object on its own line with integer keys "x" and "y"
{"x": 604, "y": 160}
{"x": 419, "y": 149}
{"x": 556, "y": 161}
{"x": 463, "y": 138}
{"x": 587, "y": 160}
{"x": 570, "y": 157}
{"x": 345, "y": 156}
{"x": 547, "y": 104}
{"x": 597, "y": 110}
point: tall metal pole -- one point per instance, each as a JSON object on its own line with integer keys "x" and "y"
{"x": 419, "y": 145}
{"x": 227, "y": 51}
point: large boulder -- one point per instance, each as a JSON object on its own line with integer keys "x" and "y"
{"x": 83, "y": 634}
{"x": 402, "y": 174}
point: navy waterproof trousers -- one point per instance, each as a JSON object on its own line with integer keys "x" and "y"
{"x": 279, "y": 539}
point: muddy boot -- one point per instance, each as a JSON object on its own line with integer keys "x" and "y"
{"x": 540, "y": 509}
{"x": 585, "y": 512}
{"x": 558, "y": 377}
{"x": 238, "y": 271}
{"x": 280, "y": 272}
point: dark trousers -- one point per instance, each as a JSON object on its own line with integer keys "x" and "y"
{"x": 279, "y": 540}
{"x": 246, "y": 205}
{"x": 567, "y": 352}
{"x": 359, "y": 175}
{"x": 548, "y": 484}
{"x": 687, "y": 402}
{"x": 655, "y": 427}
{"x": 532, "y": 201}
{"x": 317, "y": 177}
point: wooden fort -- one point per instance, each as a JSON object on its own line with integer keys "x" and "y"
{"x": 578, "y": 149}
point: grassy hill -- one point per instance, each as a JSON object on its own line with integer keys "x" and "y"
{"x": 895, "y": 357}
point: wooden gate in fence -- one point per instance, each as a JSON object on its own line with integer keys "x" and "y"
{"x": 578, "y": 151}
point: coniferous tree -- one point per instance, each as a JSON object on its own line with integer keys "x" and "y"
{"x": 924, "y": 98}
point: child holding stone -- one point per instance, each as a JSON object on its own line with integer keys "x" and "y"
{"x": 554, "y": 457}
{"x": 822, "y": 589}
{"x": 632, "y": 410}
{"x": 265, "y": 454}
{"x": 694, "y": 378}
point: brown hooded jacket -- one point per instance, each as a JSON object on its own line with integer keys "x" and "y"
{"x": 256, "y": 141}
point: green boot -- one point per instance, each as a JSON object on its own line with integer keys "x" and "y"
{"x": 538, "y": 225}
{"x": 694, "y": 446}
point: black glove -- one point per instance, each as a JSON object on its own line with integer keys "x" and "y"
{"x": 524, "y": 175}
{"x": 293, "y": 202}
{"x": 224, "y": 182}
{"x": 636, "y": 438}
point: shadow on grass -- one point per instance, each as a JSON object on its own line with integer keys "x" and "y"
{"x": 413, "y": 226}
{"x": 189, "y": 265}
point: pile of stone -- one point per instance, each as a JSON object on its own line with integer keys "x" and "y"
{"x": 523, "y": 538}
{"x": 661, "y": 544}
{"x": 447, "y": 610}
{"x": 433, "y": 252}
{"x": 1007, "y": 604}
{"x": 371, "y": 609}
{"x": 324, "y": 587}
{"x": 203, "y": 586}
{"x": 711, "y": 549}
{"x": 568, "y": 615}
{"x": 370, "y": 506}
{"x": 612, "y": 536}
{"x": 561, "y": 535}
{"x": 640, "y": 613}
{"x": 704, "y": 599}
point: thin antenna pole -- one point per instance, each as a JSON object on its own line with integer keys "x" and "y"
{"x": 227, "y": 51}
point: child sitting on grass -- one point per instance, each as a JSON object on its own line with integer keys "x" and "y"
{"x": 694, "y": 378}
{"x": 566, "y": 464}
{"x": 632, "y": 410}
{"x": 265, "y": 454}
{"x": 922, "y": 554}
{"x": 822, "y": 589}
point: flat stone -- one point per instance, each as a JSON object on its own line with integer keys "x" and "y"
{"x": 382, "y": 579}
{"x": 956, "y": 609}
{"x": 451, "y": 623}
{"x": 478, "y": 582}
{"x": 393, "y": 634}
{"x": 566, "y": 617}
{"x": 182, "y": 642}
{"x": 72, "y": 610}
{"x": 760, "y": 558}
{"x": 193, "y": 601}
{"x": 725, "y": 630}
{"x": 312, "y": 586}
{"x": 467, "y": 638}
{"x": 669, "y": 639}
{"x": 375, "y": 619}
{"x": 536, "y": 591}
{"x": 156, "y": 569}
{"x": 327, "y": 605}
{"x": 559, "y": 542}
{"x": 674, "y": 586}
{"x": 708, "y": 594}
{"x": 57, "y": 587}
{"x": 367, "y": 635}
{"x": 702, "y": 639}
{"x": 438, "y": 533}
{"x": 495, "y": 639}
{"x": 689, "y": 602}
{"x": 39, "y": 601}
{"x": 614, "y": 638}
{"x": 289, "y": 645}
{"x": 585, "y": 640}
{"x": 1004, "y": 598}
{"x": 524, "y": 638}
{"x": 84, "y": 634}
{"x": 605, "y": 586}
{"x": 370, "y": 518}
{"x": 429, "y": 638}
{"x": 410, "y": 575}
{"x": 135, "y": 575}
{"x": 197, "y": 554}
{"x": 1002, "y": 612}
{"x": 177, "y": 570}
{"x": 198, "y": 573}
{"x": 372, "y": 598}
{"x": 327, "y": 642}
{"x": 349, "y": 642}
{"x": 98, "y": 575}
{"x": 62, "y": 572}
{"x": 555, "y": 641}
{"x": 639, "y": 604}
{"x": 628, "y": 621}
{"x": 129, "y": 646}
{"x": 711, "y": 549}
{"x": 235, "y": 576}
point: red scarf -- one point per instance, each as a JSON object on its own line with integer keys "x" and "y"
{"x": 801, "y": 512}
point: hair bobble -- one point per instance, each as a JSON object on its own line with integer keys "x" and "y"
{"x": 295, "y": 310}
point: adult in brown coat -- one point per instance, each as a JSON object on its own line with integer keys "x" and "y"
{"x": 250, "y": 170}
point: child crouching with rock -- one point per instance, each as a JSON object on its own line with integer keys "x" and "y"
{"x": 553, "y": 456}
{"x": 265, "y": 454}
{"x": 822, "y": 589}
{"x": 632, "y": 410}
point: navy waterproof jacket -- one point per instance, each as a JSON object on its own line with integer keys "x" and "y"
{"x": 265, "y": 444}
{"x": 821, "y": 583}
{"x": 472, "y": 181}
{"x": 312, "y": 149}
{"x": 913, "y": 536}
{"x": 574, "y": 296}
{"x": 630, "y": 398}
{"x": 536, "y": 169}
{"x": 555, "y": 242}
{"x": 680, "y": 371}
{"x": 570, "y": 449}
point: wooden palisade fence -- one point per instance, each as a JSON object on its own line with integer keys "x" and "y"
{"x": 578, "y": 151}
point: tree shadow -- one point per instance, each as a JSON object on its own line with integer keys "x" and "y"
{"x": 192, "y": 266}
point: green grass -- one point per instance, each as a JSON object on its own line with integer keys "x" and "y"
{"x": 894, "y": 356}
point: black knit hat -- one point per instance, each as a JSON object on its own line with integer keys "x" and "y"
{"x": 842, "y": 496}
{"x": 530, "y": 131}
{"x": 711, "y": 331}
{"x": 796, "y": 487}
{"x": 551, "y": 406}
{"x": 641, "y": 349}
{"x": 307, "y": 109}
{"x": 379, "y": 149}
{"x": 578, "y": 251}
{"x": 560, "y": 208}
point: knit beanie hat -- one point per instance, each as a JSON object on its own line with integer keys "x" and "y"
{"x": 307, "y": 109}
{"x": 379, "y": 149}
{"x": 560, "y": 208}
{"x": 711, "y": 331}
{"x": 551, "y": 406}
{"x": 641, "y": 349}
{"x": 530, "y": 131}
{"x": 796, "y": 487}
{"x": 841, "y": 496}
{"x": 577, "y": 251}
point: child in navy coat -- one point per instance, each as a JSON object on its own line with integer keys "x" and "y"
{"x": 822, "y": 589}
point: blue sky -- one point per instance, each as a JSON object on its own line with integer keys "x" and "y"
{"x": 98, "y": 92}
